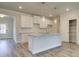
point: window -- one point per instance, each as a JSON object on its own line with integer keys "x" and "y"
{"x": 2, "y": 28}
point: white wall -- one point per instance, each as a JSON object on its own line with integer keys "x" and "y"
{"x": 64, "y": 24}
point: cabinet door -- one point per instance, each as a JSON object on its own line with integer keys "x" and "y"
{"x": 26, "y": 21}
{"x": 43, "y": 23}
{"x": 36, "y": 19}
{"x": 49, "y": 22}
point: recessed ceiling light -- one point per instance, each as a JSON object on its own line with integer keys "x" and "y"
{"x": 67, "y": 9}
{"x": 50, "y": 15}
{"x": 20, "y": 7}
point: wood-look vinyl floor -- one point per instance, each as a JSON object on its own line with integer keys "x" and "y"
{"x": 8, "y": 48}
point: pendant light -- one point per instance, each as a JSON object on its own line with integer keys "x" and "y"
{"x": 42, "y": 9}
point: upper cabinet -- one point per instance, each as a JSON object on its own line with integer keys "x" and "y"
{"x": 43, "y": 22}
{"x": 49, "y": 22}
{"x": 36, "y": 19}
{"x": 26, "y": 21}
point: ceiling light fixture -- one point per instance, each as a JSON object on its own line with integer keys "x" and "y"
{"x": 42, "y": 10}
{"x": 67, "y": 9}
{"x": 20, "y": 7}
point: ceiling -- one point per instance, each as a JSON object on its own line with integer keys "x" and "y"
{"x": 54, "y": 8}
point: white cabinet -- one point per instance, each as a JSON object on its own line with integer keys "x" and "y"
{"x": 26, "y": 21}
{"x": 49, "y": 22}
{"x": 43, "y": 23}
{"x": 36, "y": 19}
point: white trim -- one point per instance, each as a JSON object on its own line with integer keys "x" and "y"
{"x": 14, "y": 28}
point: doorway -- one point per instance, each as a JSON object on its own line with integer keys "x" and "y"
{"x": 72, "y": 31}
{"x": 7, "y": 28}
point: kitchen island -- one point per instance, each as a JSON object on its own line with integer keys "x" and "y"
{"x": 42, "y": 43}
